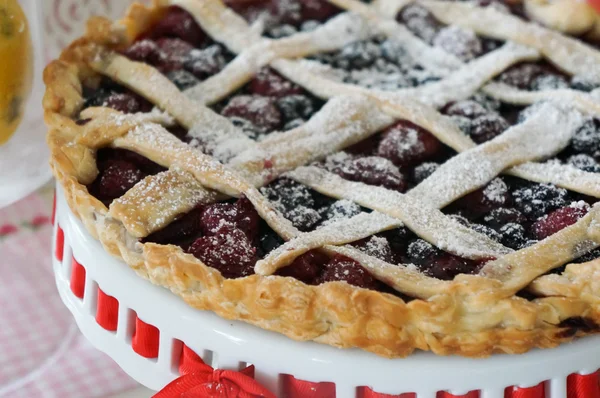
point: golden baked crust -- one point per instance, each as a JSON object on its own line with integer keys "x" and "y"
{"x": 473, "y": 316}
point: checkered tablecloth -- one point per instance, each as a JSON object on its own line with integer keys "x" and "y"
{"x": 42, "y": 353}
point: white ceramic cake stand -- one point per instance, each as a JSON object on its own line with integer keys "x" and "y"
{"x": 230, "y": 344}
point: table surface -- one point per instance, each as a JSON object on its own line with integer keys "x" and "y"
{"x": 45, "y": 366}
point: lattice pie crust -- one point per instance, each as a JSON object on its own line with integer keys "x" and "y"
{"x": 472, "y": 315}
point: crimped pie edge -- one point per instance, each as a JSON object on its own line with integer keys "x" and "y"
{"x": 467, "y": 320}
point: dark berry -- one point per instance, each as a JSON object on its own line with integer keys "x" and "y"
{"x": 269, "y": 241}
{"x": 345, "y": 269}
{"x": 357, "y": 55}
{"x": 398, "y": 238}
{"x": 535, "y": 200}
{"x": 229, "y": 251}
{"x": 593, "y": 255}
{"x": 175, "y": 52}
{"x": 340, "y": 210}
{"x": 317, "y": 10}
{"x": 97, "y": 98}
{"x": 446, "y": 267}
{"x": 502, "y": 216}
{"x": 295, "y": 201}
{"x": 105, "y": 156}
{"x": 240, "y": 215}
{"x": 269, "y": 83}
{"x": 127, "y": 103}
{"x": 467, "y": 108}
{"x": 584, "y": 162}
{"x": 587, "y": 138}
{"x": 583, "y": 83}
{"x": 378, "y": 247}
{"x": 559, "y": 219}
{"x": 372, "y": 170}
{"x": 421, "y": 252}
{"x": 405, "y": 143}
{"x": 419, "y": 21}
{"x": 521, "y": 75}
{"x": 424, "y": 170}
{"x": 513, "y": 235}
{"x": 296, "y": 107}
{"x": 549, "y": 82}
{"x": 489, "y": 103}
{"x": 306, "y": 268}
{"x": 206, "y": 62}
{"x": 486, "y": 199}
{"x": 462, "y": 43}
{"x": 393, "y": 51}
{"x": 261, "y": 111}
{"x": 487, "y": 127}
{"x": 179, "y": 23}
{"x": 118, "y": 178}
{"x": 146, "y": 51}
{"x": 247, "y": 127}
{"x": 182, "y": 79}
{"x": 487, "y": 231}
{"x": 185, "y": 227}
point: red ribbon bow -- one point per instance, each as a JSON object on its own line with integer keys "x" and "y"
{"x": 199, "y": 380}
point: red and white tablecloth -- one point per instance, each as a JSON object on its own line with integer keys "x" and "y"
{"x": 42, "y": 353}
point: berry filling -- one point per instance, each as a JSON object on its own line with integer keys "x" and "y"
{"x": 277, "y": 14}
{"x": 230, "y": 236}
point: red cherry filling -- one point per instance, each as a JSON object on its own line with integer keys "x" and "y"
{"x": 487, "y": 127}
{"x": 317, "y": 10}
{"x": 420, "y": 21}
{"x": 484, "y": 200}
{"x": 229, "y": 251}
{"x": 127, "y": 103}
{"x": 436, "y": 263}
{"x": 406, "y": 144}
{"x": 261, "y": 111}
{"x": 175, "y": 53}
{"x": 533, "y": 76}
{"x": 378, "y": 247}
{"x": 118, "y": 177}
{"x": 306, "y": 268}
{"x": 179, "y": 23}
{"x": 559, "y": 219}
{"x": 178, "y": 231}
{"x": 241, "y": 215}
{"x": 269, "y": 83}
{"x": 372, "y": 170}
{"x": 206, "y": 62}
{"x": 146, "y": 51}
{"x": 467, "y": 108}
{"x": 341, "y": 268}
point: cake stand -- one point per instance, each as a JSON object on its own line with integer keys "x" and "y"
{"x": 143, "y": 327}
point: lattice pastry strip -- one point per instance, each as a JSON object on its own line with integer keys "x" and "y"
{"x": 569, "y": 54}
{"x": 154, "y": 202}
{"x": 542, "y": 135}
{"x": 193, "y": 173}
{"x": 581, "y": 181}
{"x": 434, "y": 90}
{"x": 516, "y": 270}
{"x": 386, "y": 16}
{"x": 342, "y": 122}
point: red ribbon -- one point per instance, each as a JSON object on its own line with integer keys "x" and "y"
{"x": 199, "y": 380}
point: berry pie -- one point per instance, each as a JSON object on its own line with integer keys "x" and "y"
{"x": 388, "y": 175}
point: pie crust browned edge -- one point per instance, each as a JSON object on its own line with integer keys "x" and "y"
{"x": 471, "y": 318}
